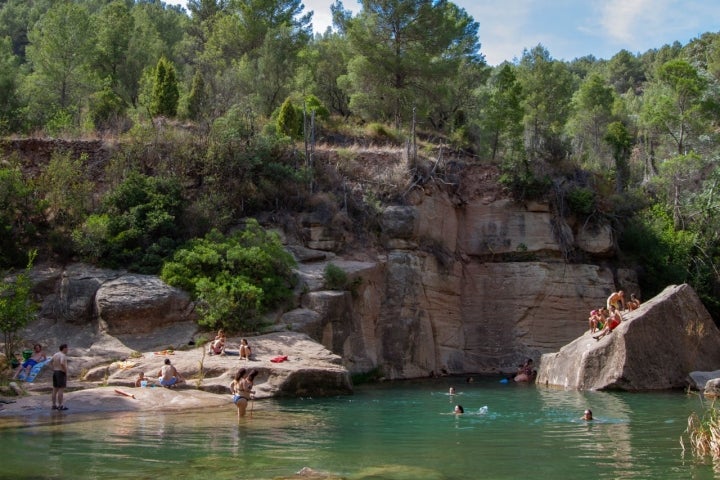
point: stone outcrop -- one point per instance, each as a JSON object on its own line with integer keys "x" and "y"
{"x": 100, "y": 359}
{"x": 139, "y": 304}
{"x": 699, "y": 380}
{"x": 654, "y": 348}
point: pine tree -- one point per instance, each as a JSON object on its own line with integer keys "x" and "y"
{"x": 165, "y": 93}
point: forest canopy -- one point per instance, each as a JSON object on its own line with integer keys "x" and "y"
{"x": 211, "y": 106}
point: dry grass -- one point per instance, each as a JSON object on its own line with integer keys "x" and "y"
{"x": 704, "y": 435}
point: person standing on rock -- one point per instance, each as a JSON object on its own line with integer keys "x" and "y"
{"x": 59, "y": 366}
{"x": 617, "y": 300}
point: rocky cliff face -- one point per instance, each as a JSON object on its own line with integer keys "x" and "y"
{"x": 470, "y": 285}
{"x": 468, "y": 282}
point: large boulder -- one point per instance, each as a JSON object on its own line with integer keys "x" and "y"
{"x": 654, "y": 348}
{"x": 78, "y": 286}
{"x": 140, "y": 303}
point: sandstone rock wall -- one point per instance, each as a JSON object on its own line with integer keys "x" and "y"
{"x": 463, "y": 287}
{"x": 475, "y": 287}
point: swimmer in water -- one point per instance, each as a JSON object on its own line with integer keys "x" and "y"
{"x": 458, "y": 410}
{"x": 587, "y": 415}
{"x": 452, "y": 391}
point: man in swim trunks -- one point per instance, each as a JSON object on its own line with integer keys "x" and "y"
{"x": 168, "y": 375}
{"x": 59, "y": 366}
{"x": 37, "y": 356}
{"x": 617, "y": 300}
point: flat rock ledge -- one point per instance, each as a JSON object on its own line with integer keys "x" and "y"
{"x": 654, "y": 348}
{"x": 310, "y": 370}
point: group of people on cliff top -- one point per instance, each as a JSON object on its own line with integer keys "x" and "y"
{"x": 606, "y": 319}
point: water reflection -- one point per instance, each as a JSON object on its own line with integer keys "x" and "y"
{"x": 399, "y": 431}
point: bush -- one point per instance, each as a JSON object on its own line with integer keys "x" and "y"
{"x": 581, "y": 200}
{"x": 335, "y": 277}
{"x": 137, "y": 228}
{"x": 235, "y": 279}
{"x": 17, "y": 307}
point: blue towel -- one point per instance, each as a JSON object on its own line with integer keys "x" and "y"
{"x": 33, "y": 371}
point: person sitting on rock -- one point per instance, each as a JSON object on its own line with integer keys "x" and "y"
{"x": 168, "y": 375}
{"x": 593, "y": 320}
{"x": 612, "y": 323}
{"x": 245, "y": 350}
{"x": 525, "y": 372}
{"x": 37, "y": 356}
{"x": 633, "y": 303}
{"x": 217, "y": 346}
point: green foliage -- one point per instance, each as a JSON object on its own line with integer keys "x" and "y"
{"x": 107, "y": 109}
{"x": 581, "y": 200}
{"x": 664, "y": 253}
{"x": 61, "y": 52}
{"x": 67, "y": 191}
{"x": 165, "y": 92}
{"x": 335, "y": 277}
{"x": 197, "y": 100}
{"x": 19, "y": 215}
{"x": 17, "y": 306}
{"x": 235, "y": 278}
{"x": 290, "y": 120}
{"x": 138, "y": 226}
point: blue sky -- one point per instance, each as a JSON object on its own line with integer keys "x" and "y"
{"x": 570, "y": 28}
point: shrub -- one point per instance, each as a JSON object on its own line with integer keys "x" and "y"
{"x": 581, "y": 200}
{"x": 236, "y": 278}
{"x": 17, "y": 307}
{"x": 138, "y": 226}
{"x": 335, "y": 277}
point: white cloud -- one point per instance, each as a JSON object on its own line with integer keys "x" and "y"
{"x": 621, "y": 18}
{"x": 503, "y": 31}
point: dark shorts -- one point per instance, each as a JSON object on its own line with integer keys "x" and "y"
{"x": 59, "y": 379}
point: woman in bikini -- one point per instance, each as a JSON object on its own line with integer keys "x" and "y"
{"x": 236, "y": 390}
{"x": 242, "y": 389}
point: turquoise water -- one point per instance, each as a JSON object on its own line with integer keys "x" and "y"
{"x": 391, "y": 431}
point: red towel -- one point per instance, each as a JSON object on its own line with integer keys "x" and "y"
{"x": 279, "y": 359}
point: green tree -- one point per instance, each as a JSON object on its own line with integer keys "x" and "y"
{"x": 620, "y": 140}
{"x": 19, "y": 215}
{"x": 548, "y": 86}
{"x": 321, "y": 64}
{"x": 503, "y": 113}
{"x": 289, "y": 119}
{"x": 625, "y": 72}
{"x": 197, "y": 100}
{"x": 61, "y": 51}
{"x": 114, "y": 26}
{"x": 592, "y": 112}
{"x": 673, "y": 102}
{"x": 9, "y": 80}
{"x": 258, "y": 18}
{"x": 165, "y": 92}
{"x": 17, "y": 306}
{"x": 235, "y": 279}
{"x": 403, "y": 53}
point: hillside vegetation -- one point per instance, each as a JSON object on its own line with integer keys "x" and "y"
{"x": 164, "y": 125}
